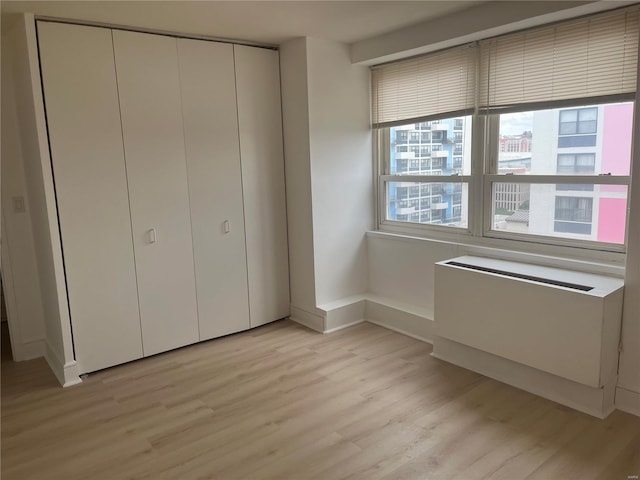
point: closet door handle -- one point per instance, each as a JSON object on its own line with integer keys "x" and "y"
{"x": 152, "y": 235}
{"x": 226, "y": 228}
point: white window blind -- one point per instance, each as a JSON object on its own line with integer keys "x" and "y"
{"x": 435, "y": 85}
{"x": 593, "y": 58}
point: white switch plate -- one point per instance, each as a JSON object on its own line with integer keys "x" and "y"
{"x": 18, "y": 204}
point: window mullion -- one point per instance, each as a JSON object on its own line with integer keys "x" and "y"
{"x": 488, "y": 133}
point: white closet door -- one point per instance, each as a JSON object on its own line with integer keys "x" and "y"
{"x": 215, "y": 185}
{"x": 79, "y": 79}
{"x": 260, "y": 125}
{"x": 149, "y": 90}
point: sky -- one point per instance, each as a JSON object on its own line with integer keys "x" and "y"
{"x": 516, "y": 123}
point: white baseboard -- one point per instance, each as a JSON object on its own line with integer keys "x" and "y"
{"x": 312, "y": 320}
{"x": 28, "y": 350}
{"x": 55, "y": 364}
{"x": 342, "y": 327}
{"x": 628, "y": 400}
{"x": 403, "y": 319}
{"x": 66, "y": 373}
{"x": 593, "y": 401}
{"x": 330, "y": 317}
{"x": 339, "y": 316}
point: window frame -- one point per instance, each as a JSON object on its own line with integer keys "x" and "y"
{"x": 382, "y": 150}
{"x": 491, "y": 176}
{"x": 485, "y": 147}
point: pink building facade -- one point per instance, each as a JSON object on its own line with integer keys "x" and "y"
{"x": 616, "y": 152}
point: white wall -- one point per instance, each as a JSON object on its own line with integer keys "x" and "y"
{"x": 295, "y": 120}
{"x": 341, "y": 169}
{"x": 328, "y": 162}
{"x": 41, "y": 198}
{"x": 20, "y": 274}
{"x": 401, "y": 269}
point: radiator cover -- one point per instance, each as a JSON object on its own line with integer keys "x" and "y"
{"x": 559, "y": 329}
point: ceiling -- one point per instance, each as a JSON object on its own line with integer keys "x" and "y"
{"x": 270, "y": 22}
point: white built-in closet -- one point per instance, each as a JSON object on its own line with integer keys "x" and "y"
{"x": 169, "y": 179}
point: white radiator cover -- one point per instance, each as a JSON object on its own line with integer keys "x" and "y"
{"x": 565, "y": 332}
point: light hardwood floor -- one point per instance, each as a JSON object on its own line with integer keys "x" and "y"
{"x": 283, "y": 402}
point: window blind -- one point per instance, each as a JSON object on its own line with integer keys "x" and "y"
{"x": 594, "y": 58}
{"x": 425, "y": 88}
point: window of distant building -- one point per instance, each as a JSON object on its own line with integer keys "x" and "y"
{"x": 578, "y": 121}
{"x": 576, "y": 163}
{"x": 573, "y": 215}
{"x": 577, "y": 127}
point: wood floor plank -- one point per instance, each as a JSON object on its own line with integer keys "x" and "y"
{"x": 284, "y": 402}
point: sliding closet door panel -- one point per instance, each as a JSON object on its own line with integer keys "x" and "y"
{"x": 260, "y": 125}
{"x": 149, "y": 89}
{"x": 79, "y": 79}
{"x": 215, "y": 185}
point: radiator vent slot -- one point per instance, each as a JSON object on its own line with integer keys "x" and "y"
{"x": 548, "y": 281}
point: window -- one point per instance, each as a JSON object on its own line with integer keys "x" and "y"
{"x": 583, "y": 120}
{"x": 444, "y": 187}
{"x": 578, "y": 164}
{"x": 548, "y": 115}
{"x": 573, "y": 215}
{"x": 549, "y": 208}
{"x": 578, "y": 127}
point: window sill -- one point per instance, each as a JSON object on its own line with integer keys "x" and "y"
{"x": 579, "y": 259}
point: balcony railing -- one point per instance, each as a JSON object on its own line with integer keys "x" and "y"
{"x": 405, "y": 210}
